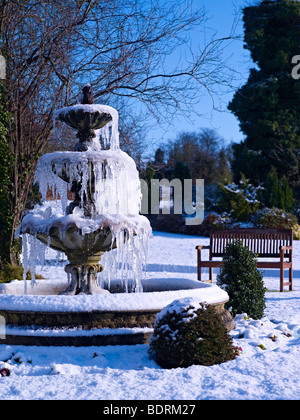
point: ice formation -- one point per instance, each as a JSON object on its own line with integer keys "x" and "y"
{"x": 117, "y": 185}
{"x": 109, "y": 179}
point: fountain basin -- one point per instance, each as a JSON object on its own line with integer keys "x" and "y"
{"x": 109, "y": 319}
{"x": 84, "y": 241}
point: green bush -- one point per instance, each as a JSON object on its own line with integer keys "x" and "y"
{"x": 296, "y": 232}
{"x": 243, "y": 282}
{"x": 240, "y": 200}
{"x": 188, "y": 333}
{"x": 275, "y": 218}
{"x": 12, "y": 272}
{"x": 278, "y": 193}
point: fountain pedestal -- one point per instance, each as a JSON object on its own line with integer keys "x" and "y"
{"x": 84, "y": 253}
{"x": 83, "y": 279}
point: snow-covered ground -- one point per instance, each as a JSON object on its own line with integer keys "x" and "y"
{"x": 267, "y": 367}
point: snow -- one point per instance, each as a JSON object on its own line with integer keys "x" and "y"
{"x": 39, "y": 224}
{"x": 106, "y": 302}
{"x": 189, "y": 305}
{"x": 267, "y": 367}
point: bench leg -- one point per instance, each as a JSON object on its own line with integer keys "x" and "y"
{"x": 290, "y": 283}
{"x": 199, "y": 264}
{"x": 291, "y": 278}
{"x": 281, "y": 278}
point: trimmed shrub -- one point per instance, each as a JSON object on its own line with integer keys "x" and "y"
{"x": 190, "y": 333}
{"x": 243, "y": 282}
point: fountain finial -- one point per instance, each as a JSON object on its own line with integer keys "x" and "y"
{"x": 85, "y": 117}
{"x": 87, "y": 95}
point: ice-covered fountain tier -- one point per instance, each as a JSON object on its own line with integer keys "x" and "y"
{"x": 105, "y": 211}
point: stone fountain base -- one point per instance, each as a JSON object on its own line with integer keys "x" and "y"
{"x": 96, "y": 320}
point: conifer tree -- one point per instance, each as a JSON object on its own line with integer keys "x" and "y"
{"x": 268, "y": 105}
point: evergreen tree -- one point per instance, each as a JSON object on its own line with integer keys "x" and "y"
{"x": 159, "y": 156}
{"x": 243, "y": 282}
{"x": 181, "y": 171}
{"x": 223, "y": 169}
{"x": 278, "y": 193}
{"x": 268, "y": 105}
{"x": 286, "y": 201}
{"x": 239, "y": 200}
{"x": 271, "y": 189}
{"x": 159, "y": 165}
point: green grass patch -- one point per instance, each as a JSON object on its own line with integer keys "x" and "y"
{"x": 12, "y": 272}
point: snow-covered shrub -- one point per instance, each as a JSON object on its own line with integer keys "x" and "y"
{"x": 190, "y": 333}
{"x": 275, "y": 218}
{"x": 243, "y": 282}
{"x": 240, "y": 200}
{"x": 296, "y": 231}
{"x": 218, "y": 221}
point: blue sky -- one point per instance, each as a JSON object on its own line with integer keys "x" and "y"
{"x": 221, "y": 13}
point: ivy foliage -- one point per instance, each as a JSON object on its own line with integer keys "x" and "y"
{"x": 6, "y": 184}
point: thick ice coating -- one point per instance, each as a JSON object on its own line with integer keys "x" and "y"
{"x": 115, "y": 177}
{"x": 107, "y": 180}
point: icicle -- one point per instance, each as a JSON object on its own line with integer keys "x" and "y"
{"x": 32, "y": 258}
{"x": 41, "y": 251}
{"x": 25, "y": 261}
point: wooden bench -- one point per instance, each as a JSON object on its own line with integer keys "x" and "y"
{"x": 264, "y": 243}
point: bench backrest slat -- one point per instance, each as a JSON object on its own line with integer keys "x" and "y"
{"x": 263, "y": 242}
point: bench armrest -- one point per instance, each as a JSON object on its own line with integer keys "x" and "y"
{"x": 286, "y": 248}
{"x": 202, "y": 247}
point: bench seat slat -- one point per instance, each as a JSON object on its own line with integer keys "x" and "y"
{"x": 277, "y": 255}
{"x": 259, "y": 264}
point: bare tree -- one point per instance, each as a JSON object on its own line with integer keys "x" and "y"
{"x": 121, "y": 47}
{"x": 203, "y": 153}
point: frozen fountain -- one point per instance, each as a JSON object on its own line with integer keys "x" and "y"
{"x": 103, "y": 220}
{"x": 105, "y": 211}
